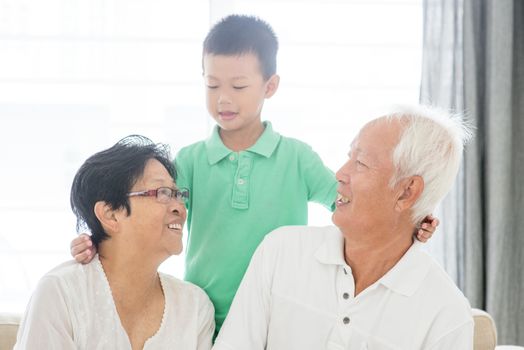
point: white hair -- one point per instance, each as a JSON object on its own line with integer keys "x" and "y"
{"x": 431, "y": 146}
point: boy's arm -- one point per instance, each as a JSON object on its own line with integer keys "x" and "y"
{"x": 246, "y": 324}
{"x": 82, "y": 249}
{"x": 320, "y": 180}
{"x": 427, "y": 228}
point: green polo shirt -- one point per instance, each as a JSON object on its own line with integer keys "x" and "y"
{"x": 236, "y": 198}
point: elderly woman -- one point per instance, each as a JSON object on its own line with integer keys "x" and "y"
{"x": 127, "y": 197}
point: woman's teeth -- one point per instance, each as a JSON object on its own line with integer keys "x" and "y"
{"x": 175, "y": 226}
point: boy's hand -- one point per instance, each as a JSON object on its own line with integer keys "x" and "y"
{"x": 82, "y": 249}
{"x": 427, "y": 228}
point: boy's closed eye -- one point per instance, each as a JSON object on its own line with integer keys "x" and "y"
{"x": 212, "y": 86}
{"x": 239, "y": 87}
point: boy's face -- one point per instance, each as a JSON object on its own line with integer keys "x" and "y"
{"x": 235, "y": 90}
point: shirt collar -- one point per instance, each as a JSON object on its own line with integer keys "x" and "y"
{"x": 265, "y": 145}
{"x": 408, "y": 274}
{"x": 331, "y": 251}
{"x": 404, "y": 278}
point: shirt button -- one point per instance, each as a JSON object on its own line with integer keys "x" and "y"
{"x": 240, "y": 181}
{"x": 346, "y": 320}
{"x": 231, "y": 157}
{"x": 345, "y": 295}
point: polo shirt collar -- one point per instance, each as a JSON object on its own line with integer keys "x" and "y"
{"x": 331, "y": 251}
{"x": 404, "y": 278}
{"x": 265, "y": 145}
{"x": 408, "y": 274}
{"x": 267, "y": 142}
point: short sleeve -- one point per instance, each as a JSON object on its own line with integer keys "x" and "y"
{"x": 182, "y": 167}
{"x": 46, "y": 323}
{"x": 320, "y": 180}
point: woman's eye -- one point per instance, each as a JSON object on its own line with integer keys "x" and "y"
{"x": 360, "y": 163}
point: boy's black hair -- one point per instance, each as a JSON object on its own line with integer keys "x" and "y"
{"x": 240, "y": 34}
{"x": 109, "y": 175}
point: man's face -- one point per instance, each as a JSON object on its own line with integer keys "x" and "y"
{"x": 235, "y": 90}
{"x": 366, "y": 203}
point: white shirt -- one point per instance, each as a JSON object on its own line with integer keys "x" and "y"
{"x": 298, "y": 293}
{"x": 72, "y": 308}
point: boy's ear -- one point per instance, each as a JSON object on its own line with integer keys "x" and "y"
{"x": 272, "y": 85}
{"x": 410, "y": 190}
{"x": 107, "y": 216}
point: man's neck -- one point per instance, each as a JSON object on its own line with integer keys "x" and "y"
{"x": 371, "y": 259}
{"x": 240, "y": 140}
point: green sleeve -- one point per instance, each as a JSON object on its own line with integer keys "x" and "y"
{"x": 184, "y": 170}
{"x": 320, "y": 180}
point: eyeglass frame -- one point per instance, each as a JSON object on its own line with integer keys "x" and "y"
{"x": 181, "y": 195}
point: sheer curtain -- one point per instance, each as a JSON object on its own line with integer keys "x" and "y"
{"x": 473, "y": 61}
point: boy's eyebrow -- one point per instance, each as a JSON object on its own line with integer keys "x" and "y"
{"x": 240, "y": 77}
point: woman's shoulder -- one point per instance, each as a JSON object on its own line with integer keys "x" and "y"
{"x": 183, "y": 289}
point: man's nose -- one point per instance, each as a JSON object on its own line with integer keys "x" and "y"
{"x": 342, "y": 175}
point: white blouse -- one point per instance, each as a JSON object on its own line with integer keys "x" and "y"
{"x": 72, "y": 308}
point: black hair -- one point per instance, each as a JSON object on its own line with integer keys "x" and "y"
{"x": 109, "y": 175}
{"x": 240, "y": 34}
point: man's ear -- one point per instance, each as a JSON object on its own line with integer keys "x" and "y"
{"x": 410, "y": 190}
{"x": 107, "y": 216}
{"x": 272, "y": 85}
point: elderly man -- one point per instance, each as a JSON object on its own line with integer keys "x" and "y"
{"x": 364, "y": 284}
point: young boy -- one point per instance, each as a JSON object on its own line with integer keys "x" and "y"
{"x": 245, "y": 180}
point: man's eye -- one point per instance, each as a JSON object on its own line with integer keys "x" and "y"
{"x": 239, "y": 87}
{"x": 361, "y": 164}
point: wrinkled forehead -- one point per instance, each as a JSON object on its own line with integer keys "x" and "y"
{"x": 378, "y": 138}
{"x": 384, "y": 127}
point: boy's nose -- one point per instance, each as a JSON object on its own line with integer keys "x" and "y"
{"x": 224, "y": 99}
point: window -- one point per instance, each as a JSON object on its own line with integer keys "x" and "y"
{"x": 76, "y": 76}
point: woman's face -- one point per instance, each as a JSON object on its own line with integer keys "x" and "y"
{"x": 155, "y": 227}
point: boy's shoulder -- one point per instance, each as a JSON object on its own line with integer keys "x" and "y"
{"x": 294, "y": 143}
{"x": 195, "y": 149}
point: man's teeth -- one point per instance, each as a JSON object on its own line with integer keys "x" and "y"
{"x": 341, "y": 199}
{"x": 175, "y": 226}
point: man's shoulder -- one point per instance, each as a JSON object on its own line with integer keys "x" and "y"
{"x": 446, "y": 294}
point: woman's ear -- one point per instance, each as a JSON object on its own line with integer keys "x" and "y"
{"x": 272, "y": 85}
{"x": 410, "y": 190}
{"x": 107, "y": 216}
